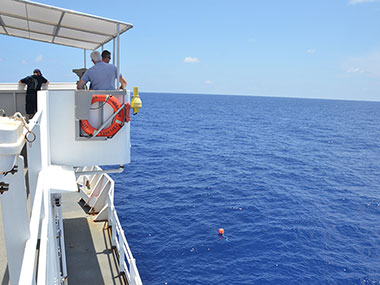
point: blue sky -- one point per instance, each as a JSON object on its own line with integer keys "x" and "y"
{"x": 287, "y": 48}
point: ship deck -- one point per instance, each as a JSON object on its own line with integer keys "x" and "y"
{"x": 89, "y": 253}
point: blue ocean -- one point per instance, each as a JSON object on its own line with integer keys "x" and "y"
{"x": 295, "y": 184}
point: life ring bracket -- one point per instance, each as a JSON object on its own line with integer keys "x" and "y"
{"x": 117, "y": 118}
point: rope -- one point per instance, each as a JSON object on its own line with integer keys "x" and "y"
{"x": 226, "y": 238}
{"x": 19, "y": 116}
{"x": 97, "y": 108}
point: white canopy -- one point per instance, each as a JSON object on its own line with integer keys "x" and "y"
{"x": 35, "y": 21}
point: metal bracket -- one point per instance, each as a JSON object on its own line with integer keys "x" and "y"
{"x": 106, "y": 122}
{"x": 91, "y": 172}
{"x": 56, "y": 199}
{"x": 3, "y": 187}
{"x": 13, "y": 171}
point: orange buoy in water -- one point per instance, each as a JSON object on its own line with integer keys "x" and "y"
{"x": 221, "y": 231}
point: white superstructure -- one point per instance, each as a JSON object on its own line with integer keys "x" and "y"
{"x": 57, "y": 204}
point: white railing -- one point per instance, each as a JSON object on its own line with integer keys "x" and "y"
{"x": 44, "y": 264}
{"x": 12, "y": 95}
{"x": 44, "y": 260}
{"x": 51, "y": 86}
{"x": 127, "y": 263}
{"x": 45, "y": 226}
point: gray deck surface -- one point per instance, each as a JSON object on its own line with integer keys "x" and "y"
{"x": 90, "y": 257}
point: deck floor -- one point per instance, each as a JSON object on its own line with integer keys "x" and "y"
{"x": 90, "y": 257}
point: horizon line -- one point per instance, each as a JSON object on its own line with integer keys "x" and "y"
{"x": 270, "y": 96}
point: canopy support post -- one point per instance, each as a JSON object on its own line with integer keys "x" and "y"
{"x": 113, "y": 51}
{"x": 118, "y": 55}
{"x": 84, "y": 58}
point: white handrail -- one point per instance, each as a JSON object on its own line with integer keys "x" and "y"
{"x": 122, "y": 247}
{"x": 42, "y": 227}
{"x": 127, "y": 263}
{"x": 42, "y": 264}
{"x": 27, "y": 268}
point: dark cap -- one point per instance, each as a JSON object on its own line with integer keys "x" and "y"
{"x": 37, "y": 71}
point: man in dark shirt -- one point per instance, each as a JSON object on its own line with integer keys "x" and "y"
{"x": 33, "y": 83}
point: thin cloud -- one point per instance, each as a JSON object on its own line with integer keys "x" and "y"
{"x": 354, "y": 2}
{"x": 39, "y": 58}
{"x": 354, "y": 70}
{"x": 368, "y": 65}
{"x": 190, "y": 59}
{"x": 208, "y": 82}
{"x": 311, "y": 50}
{"x": 24, "y": 61}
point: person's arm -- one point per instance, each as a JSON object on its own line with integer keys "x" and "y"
{"x": 45, "y": 81}
{"x": 81, "y": 84}
{"x": 123, "y": 82}
{"x": 24, "y": 80}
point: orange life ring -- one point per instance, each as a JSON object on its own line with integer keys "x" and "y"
{"x": 117, "y": 122}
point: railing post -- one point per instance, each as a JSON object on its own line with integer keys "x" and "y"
{"x": 113, "y": 226}
{"x": 132, "y": 270}
{"x": 109, "y": 212}
{"x": 62, "y": 240}
{"x": 121, "y": 251}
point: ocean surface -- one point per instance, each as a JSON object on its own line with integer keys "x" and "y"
{"x": 295, "y": 183}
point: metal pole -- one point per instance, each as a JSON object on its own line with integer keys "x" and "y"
{"x": 109, "y": 212}
{"x": 100, "y": 171}
{"x": 113, "y": 52}
{"x": 121, "y": 251}
{"x": 114, "y": 226}
{"x": 63, "y": 250}
{"x": 84, "y": 58}
{"x": 118, "y": 55}
{"x": 106, "y": 122}
{"x": 102, "y": 47}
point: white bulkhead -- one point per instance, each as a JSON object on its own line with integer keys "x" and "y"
{"x": 64, "y": 143}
